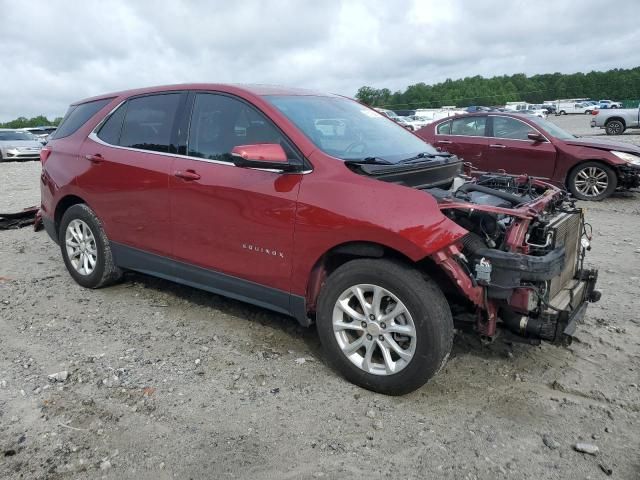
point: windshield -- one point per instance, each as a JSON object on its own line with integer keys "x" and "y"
{"x": 16, "y": 135}
{"x": 347, "y": 130}
{"x": 552, "y": 128}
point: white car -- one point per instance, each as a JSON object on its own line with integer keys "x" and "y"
{"x": 538, "y": 112}
{"x": 609, "y": 104}
{"x": 18, "y": 145}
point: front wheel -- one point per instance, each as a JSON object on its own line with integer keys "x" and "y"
{"x": 85, "y": 248}
{"x": 614, "y": 127}
{"x": 562, "y": 112}
{"x": 592, "y": 181}
{"x": 383, "y": 326}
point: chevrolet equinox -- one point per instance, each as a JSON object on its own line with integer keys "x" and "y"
{"x": 320, "y": 208}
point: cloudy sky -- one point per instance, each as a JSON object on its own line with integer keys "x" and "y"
{"x": 55, "y": 52}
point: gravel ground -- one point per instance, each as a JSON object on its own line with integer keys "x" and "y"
{"x": 166, "y": 381}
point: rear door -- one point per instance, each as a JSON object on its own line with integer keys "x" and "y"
{"x": 227, "y": 219}
{"x": 127, "y": 171}
{"x": 464, "y": 137}
{"x": 511, "y": 150}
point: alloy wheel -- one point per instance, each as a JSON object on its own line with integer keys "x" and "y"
{"x": 374, "y": 329}
{"x": 81, "y": 247}
{"x": 591, "y": 181}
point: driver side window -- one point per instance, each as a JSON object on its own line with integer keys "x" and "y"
{"x": 510, "y": 128}
{"x": 219, "y": 123}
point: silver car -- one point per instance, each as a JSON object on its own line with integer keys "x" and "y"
{"x": 19, "y": 145}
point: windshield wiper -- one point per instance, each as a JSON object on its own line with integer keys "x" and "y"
{"x": 368, "y": 161}
{"x": 423, "y": 155}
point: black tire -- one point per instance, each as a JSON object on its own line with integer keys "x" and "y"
{"x": 426, "y": 304}
{"x": 562, "y": 112}
{"x": 105, "y": 271}
{"x": 575, "y": 174}
{"x": 615, "y": 127}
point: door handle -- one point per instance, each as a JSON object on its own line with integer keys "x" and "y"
{"x": 95, "y": 158}
{"x": 497, "y": 145}
{"x": 444, "y": 141}
{"x": 187, "y": 174}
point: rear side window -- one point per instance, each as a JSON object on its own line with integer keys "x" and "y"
{"x": 148, "y": 122}
{"x": 77, "y": 115}
{"x": 444, "y": 128}
{"x": 110, "y": 131}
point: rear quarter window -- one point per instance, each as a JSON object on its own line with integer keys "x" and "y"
{"x": 148, "y": 122}
{"x": 77, "y": 116}
{"x": 444, "y": 128}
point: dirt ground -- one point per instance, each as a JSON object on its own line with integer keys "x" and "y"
{"x": 165, "y": 381}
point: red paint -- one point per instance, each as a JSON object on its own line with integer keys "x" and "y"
{"x": 267, "y": 152}
{"x": 552, "y": 160}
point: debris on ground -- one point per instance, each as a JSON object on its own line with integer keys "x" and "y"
{"x": 19, "y": 219}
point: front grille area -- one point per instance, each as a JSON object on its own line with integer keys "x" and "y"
{"x": 567, "y": 228}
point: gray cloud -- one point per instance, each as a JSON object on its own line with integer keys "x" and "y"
{"x": 57, "y": 52}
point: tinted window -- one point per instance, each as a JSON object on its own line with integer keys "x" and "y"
{"x": 471, "y": 126}
{"x": 444, "y": 128}
{"x": 148, "y": 122}
{"x": 505, "y": 127}
{"x": 77, "y": 115}
{"x": 110, "y": 131}
{"x": 347, "y": 130}
{"x": 219, "y": 123}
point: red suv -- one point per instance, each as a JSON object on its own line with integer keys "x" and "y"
{"x": 318, "y": 207}
{"x": 519, "y": 143}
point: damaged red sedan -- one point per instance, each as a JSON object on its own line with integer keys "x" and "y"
{"x": 320, "y": 208}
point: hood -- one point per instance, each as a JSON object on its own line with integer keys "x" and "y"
{"x": 20, "y": 143}
{"x": 604, "y": 145}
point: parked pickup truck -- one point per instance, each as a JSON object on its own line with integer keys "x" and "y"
{"x": 616, "y": 121}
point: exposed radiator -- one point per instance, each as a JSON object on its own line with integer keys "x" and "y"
{"x": 567, "y": 229}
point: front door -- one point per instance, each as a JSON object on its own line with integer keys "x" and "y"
{"x": 510, "y": 149}
{"x": 234, "y": 221}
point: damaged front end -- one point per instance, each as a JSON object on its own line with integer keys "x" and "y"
{"x": 522, "y": 261}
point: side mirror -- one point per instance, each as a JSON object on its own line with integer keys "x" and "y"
{"x": 269, "y": 156}
{"x": 536, "y": 137}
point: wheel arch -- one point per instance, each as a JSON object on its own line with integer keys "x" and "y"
{"x": 62, "y": 206}
{"x": 340, "y": 254}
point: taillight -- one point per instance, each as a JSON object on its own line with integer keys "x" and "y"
{"x": 595, "y": 112}
{"x": 44, "y": 154}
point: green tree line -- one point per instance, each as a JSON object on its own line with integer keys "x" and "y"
{"x": 23, "y": 122}
{"x": 616, "y": 84}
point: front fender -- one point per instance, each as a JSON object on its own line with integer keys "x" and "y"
{"x": 337, "y": 206}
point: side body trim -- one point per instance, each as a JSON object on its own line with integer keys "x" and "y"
{"x": 211, "y": 281}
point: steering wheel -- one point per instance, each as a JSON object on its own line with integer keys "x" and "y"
{"x": 353, "y": 146}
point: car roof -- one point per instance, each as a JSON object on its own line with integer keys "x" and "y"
{"x": 484, "y": 114}
{"x": 251, "y": 89}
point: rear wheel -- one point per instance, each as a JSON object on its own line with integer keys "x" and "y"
{"x": 592, "y": 181}
{"x": 614, "y": 127}
{"x": 562, "y": 112}
{"x": 383, "y": 326}
{"x": 85, "y": 248}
